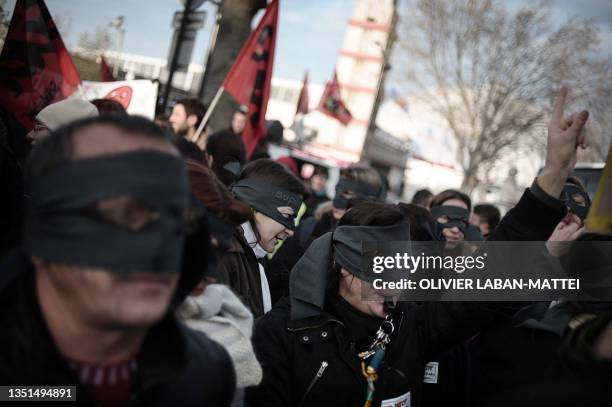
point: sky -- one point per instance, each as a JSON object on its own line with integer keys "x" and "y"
{"x": 310, "y": 31}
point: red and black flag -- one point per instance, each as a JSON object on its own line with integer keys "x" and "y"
{"x": 331, "y": 102}
{"x": 35, "y": 69}
{"x": 303, "y": 101}
{"x": 249, "y": 79}
{"x": 105, "y": 71}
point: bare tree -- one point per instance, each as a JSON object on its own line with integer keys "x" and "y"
{"x": 101, "y": 39}
{"x": 491, "y": 75}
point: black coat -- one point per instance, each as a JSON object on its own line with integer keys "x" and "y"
{"x": 176, "y": 365}
{"x": 278, "y": 269}
{"x": 239, "y": 269}
{"x": 524, "y": 360}
{"x": 292, "y": 352}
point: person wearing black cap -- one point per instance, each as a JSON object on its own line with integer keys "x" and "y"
{"x": 225, "y": 154}
{"x": 274, "y": 195}
{"x": 88, "y": 301}
{"x": 322, "y": 346}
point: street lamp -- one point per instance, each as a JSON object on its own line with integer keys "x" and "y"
{"x": 118, "y": 25}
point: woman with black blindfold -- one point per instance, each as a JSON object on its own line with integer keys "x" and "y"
{"x": 317, "y": 346}
{"x": 325, "y": 345}
{"x": 451, "y": 209}
{"x": 274, "y": 195}
{"x": 357, "y": 183}
{"x": 212, "y": 307}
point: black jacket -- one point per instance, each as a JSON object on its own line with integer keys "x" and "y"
{"x": 314, "y": 362}
{"x": 524, "y": 360}
{"x": 239, "y": 269}
{"x": 176, "y": 365}
{"x": 278, "y": 269}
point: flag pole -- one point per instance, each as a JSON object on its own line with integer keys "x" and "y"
{"x": 209, "y": 111}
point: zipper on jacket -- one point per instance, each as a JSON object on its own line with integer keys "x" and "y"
{"x": 303, "y": 328}
{"x": 322, "y": 368}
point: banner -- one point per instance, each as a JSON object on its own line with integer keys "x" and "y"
{"x": 331, "y": 102}
{"x": 599, "y": 219}
{"x": 138, "y": 97}
{"x": 248, "y": 81}
{"x": 105, "y": 71}
{"x": 35, "y": 69}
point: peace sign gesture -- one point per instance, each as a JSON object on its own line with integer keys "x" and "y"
{"x": 564, "y": 137}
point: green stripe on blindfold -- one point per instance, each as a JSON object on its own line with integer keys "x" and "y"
{"x": 267, "y": 198}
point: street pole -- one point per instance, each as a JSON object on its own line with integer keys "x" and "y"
{"x": 121, "y": 33}
{"x": 379, "y": 84}
{"x": 211, "y": 48}
{"x": 175, "y": 55}
{"x": 118, "y": 25}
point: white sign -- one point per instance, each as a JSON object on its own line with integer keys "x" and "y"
{"x": 401, "y": 401}
{"x": 138, "y": 97}
{"x": 431, "y": 373}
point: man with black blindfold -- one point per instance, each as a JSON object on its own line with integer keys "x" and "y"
{"x": 88, "y": 302}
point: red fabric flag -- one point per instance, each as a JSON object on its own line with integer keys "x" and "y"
{"x": 303, "y": 101}
{"x": 35, "y": 67}
{"x": 249, "y": 79}
{"x": 105, "y": 71}
{"x": 331, "y": 102}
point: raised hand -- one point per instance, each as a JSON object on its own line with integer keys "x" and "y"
{"x": 567, "y": 231}
{"x": 564, "y": 137}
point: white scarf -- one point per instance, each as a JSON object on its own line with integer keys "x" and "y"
{"x": 249, "y": 235}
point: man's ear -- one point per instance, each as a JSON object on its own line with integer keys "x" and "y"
{"x": 192, "y": 119}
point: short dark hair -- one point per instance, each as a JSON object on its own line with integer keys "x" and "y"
{"x": 451, "y": 194}
{"x": 422, "y": 197}
{"x": 225, "y": 146}
{"x": 193, "y": 107}
{"x": 275, "y": 173}
{"x": 372, "y": 213}
{"x": 56, "y": 149}
{"x": 422, "y": 224}
{"x": 364, "y": 174}
{"x": 108, "y": 106}
{"x": 489, "y": 213}
{"x": 321, "y": 171}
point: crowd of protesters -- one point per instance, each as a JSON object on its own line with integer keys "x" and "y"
{"x": 147, "y": 265}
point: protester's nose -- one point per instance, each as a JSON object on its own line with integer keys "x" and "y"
{"x": 289, "y": 232}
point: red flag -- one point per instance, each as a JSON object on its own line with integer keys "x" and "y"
{"x": 35, "y": 67}
{"x": 249, "y": 79}
{"x": 302, "y": 104}
{"x": 107, "y": 75}
{"x": 331, "y": 102}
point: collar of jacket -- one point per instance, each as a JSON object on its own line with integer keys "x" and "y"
{"x": 162, "y": 357}
{"x": 238, "y": 242}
